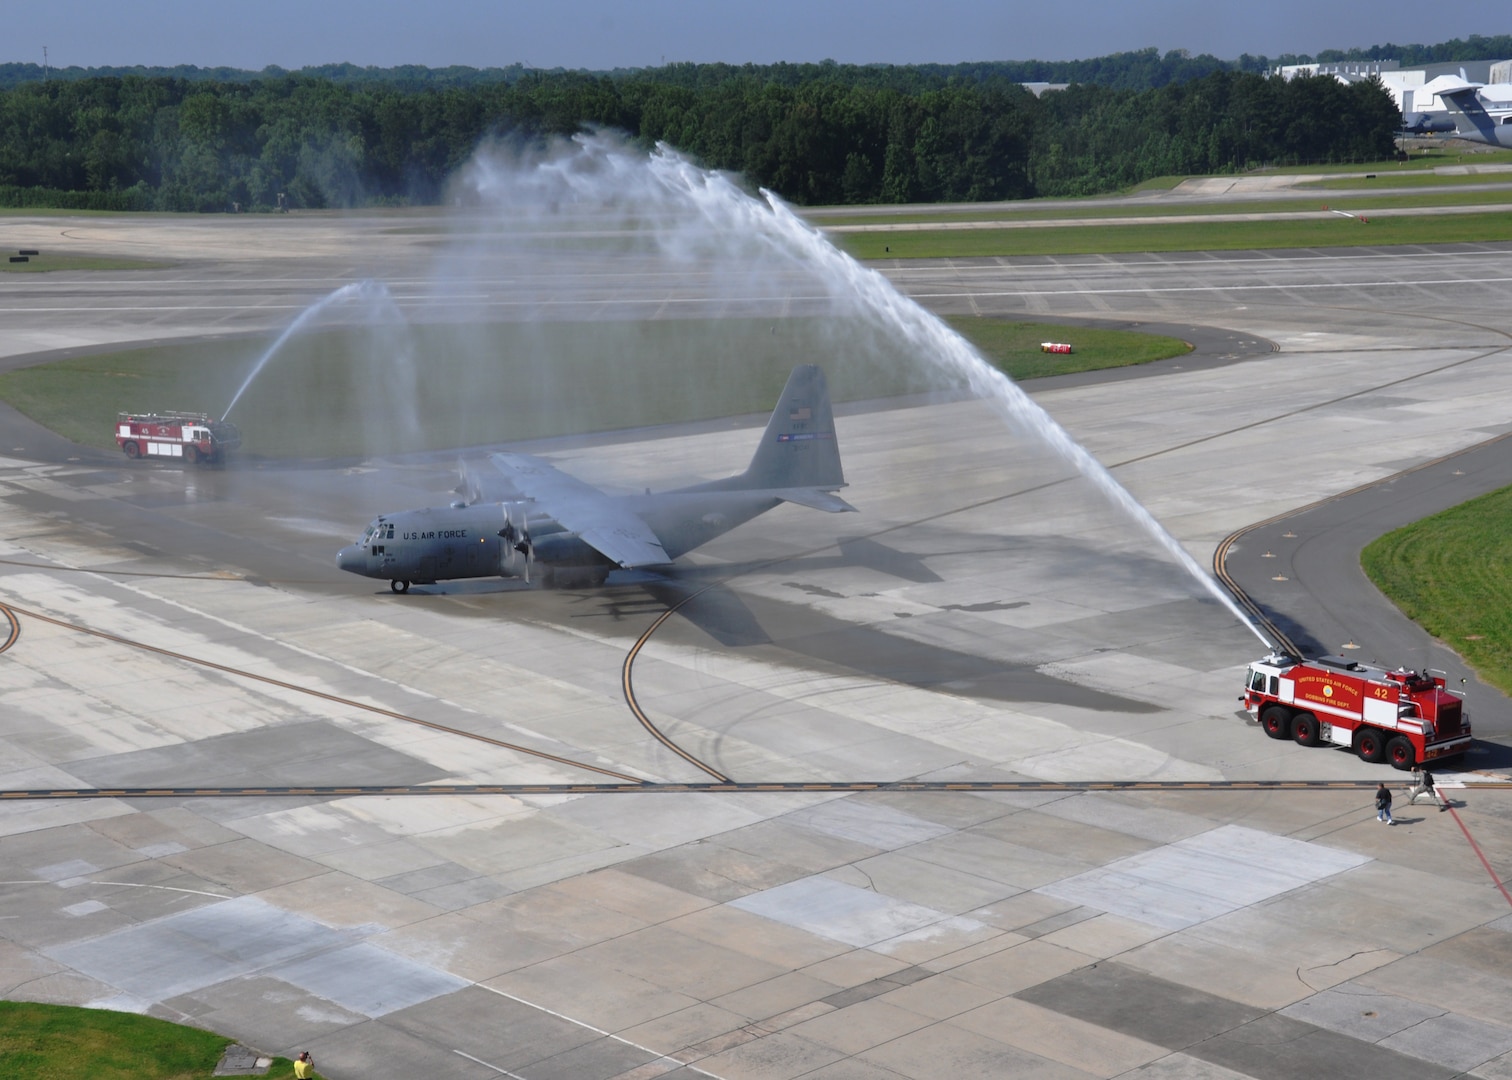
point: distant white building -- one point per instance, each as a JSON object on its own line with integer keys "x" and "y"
{"x": 1344, "y": 71}
{"x": 1410, "y": 87}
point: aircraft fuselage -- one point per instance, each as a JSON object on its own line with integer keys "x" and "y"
{"x": 449, "y": 542}
{"x": 526, "y": 512}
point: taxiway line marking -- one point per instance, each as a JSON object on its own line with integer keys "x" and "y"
{"x": 1479, "y": 854}
{"x": 714, "y": 787}
{"x": 627, "y": 684}
{"x": 691, "y": 301}
{"x": 590, "y": 1027}
{"x": 489, "y": 1065}
{"x": 15, "y": 627}
{"x": 11, "y": 610}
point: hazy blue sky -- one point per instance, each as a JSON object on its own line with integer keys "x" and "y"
{"x": 603, "y": 34}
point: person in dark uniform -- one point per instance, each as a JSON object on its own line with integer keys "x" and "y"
{"x": 1425, "y": 786}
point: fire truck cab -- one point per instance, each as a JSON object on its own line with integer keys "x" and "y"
{"x": 191, "y": 437}
{"x": 1405, "y": 717}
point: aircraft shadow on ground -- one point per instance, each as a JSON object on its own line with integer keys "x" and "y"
{"x": 809, "y": 637}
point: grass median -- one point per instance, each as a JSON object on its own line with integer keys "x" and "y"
{"x": 1322, "y": 231}
{"x": 1452, "y": 574}
{"x": 1015, "y": 346}
{"x": 50, "y": 261}
{"x": 357, "y": 392}
{"x": 61, "y": 1042}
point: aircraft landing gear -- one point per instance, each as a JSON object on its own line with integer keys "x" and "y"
{"x": 399, "y": 586}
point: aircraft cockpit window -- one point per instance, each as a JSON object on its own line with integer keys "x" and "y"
{"x": 366, "y": 537}
{"x": 390, "y": 535}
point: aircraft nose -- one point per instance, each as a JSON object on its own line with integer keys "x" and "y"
{"x": 352, "y": 558}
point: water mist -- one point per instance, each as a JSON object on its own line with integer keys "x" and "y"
{"x": 758, "y": 250}
{"x": 377, "y": 307}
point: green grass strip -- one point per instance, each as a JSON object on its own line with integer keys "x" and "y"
{"x": 337, "y": 393}
{"x": 61, "y": 1042}
{"x": 1015, "y": 346}
{"x": 1414, "y": 180}
{"x": 41, "y": 264}
{"x": 1072, "y": 212}
{"x": 1328, "y": 231}
{"x": 1452, "y": 575}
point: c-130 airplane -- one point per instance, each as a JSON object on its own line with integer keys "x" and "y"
{"x": 533, "y": 513}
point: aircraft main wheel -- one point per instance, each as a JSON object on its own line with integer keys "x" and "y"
{"x": 1400, "y": 753}
{"x": 132, "y": 450}
{"x": 1276, "y": 721}
{"x": 1371, "y": 746}
{"x": 1305, "y": 729}
{"x": 399, "y": 586}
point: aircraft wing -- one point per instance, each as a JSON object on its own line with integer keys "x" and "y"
{"x": 582, "y": 508}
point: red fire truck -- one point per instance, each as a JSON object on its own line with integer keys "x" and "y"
{"x": 191, "y": 437}
{"x": 1404, "y": 717}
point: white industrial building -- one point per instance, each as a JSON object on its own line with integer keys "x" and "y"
{"x": 1411, "y": 88}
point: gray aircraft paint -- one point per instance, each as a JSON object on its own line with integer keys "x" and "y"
{"x": 1472, "y": 121}
{"x": 573, "y": 530}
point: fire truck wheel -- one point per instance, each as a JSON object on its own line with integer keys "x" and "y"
{"x": 132, "y": 450}
{"x": 1371, "y": 746}
{"x": 191, "y": 455}
{"x": 1276, "y": 721}
{"x": 1305, "y": 729}
{"x": 1400, "y": 753}
{"x": 399, "y": 586}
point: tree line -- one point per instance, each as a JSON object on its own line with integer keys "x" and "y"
{"x": 1475, "y": 47}
{"x": 1140, "y": 69}
{"x": 815, "y": 134}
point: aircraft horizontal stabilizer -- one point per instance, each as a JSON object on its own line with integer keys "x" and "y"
{"x": 815, "y": 499}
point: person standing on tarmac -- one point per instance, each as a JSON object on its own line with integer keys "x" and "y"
{"x": 304, "y": 1065}
{"x": 1383, "y": 805}
{"x": 1425, "y": 786}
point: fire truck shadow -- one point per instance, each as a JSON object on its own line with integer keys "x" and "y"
{"x": 1484, "y": 756}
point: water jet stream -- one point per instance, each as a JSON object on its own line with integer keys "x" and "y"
{"x": 370, "y": 291}
{"x": 849, "y": 281}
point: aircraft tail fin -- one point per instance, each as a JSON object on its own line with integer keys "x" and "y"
{"x": 1470, "y": 116}
{"x": 798, "y": 448}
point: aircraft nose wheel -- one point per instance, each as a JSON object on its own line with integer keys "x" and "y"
{"x": 399, "y": 586}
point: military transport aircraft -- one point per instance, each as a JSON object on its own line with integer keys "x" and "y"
{"x": 1472, "y": 122}
{"x": 525, "y": 511}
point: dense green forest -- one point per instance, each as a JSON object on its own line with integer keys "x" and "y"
{"x": 821, "y": 134}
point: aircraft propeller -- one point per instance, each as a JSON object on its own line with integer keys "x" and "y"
{"x": 467, "y": 486}
{"x": 518, "y": 539}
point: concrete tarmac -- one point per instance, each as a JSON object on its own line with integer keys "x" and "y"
{"x": 986, "y": 616}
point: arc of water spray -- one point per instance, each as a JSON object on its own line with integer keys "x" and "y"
{"x": 950, "y": 349}
{"x": 367, "y": 289}
{"x": 849, "y": 280}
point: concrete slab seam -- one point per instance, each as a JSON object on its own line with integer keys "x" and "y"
{"x": 599, "y": 1031}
